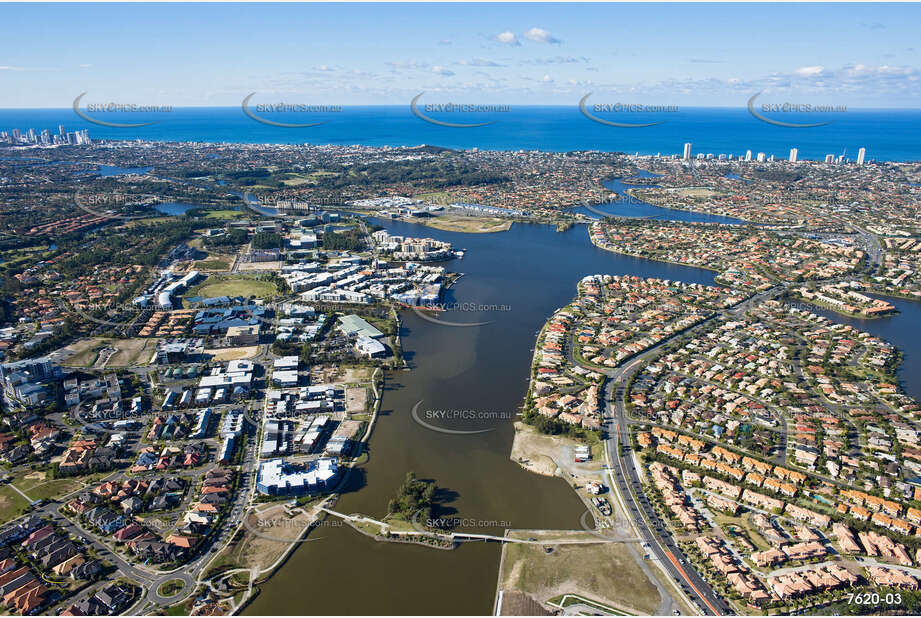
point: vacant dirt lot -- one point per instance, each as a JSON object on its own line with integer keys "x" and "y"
{"x": 535, "y": 451}
{"x": 229, "y": 354}
{"x": 356, "y": 399}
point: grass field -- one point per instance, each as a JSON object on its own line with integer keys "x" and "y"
{"x": 263, "y": 544}
{"x": 37, "y": 485}
{"x": 130, "y": 351}
{"x": 224, "y": 215}
{"x": 235, "y": 286}
{"x": 84, "y": 352}
{"x": 469, "y": 225}
{"x": 437, "y": 197}
{"x": 12, "y": 505}
{"x": 605, "y": 572}
{"x": 48, "y": 490}
{"x": 742, "y": 521}
{"x": 214, "y": 263}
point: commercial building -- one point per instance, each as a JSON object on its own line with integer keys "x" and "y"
{"x": 350, "y": 325}
{"x": 370, "y": 348}
{"x": 243, "y": 335}
{"x": 278, "y": 478}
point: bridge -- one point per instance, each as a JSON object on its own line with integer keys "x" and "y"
{"x": 465, "y": 537}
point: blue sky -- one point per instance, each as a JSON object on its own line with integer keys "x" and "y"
{"x": 350, "y": 54}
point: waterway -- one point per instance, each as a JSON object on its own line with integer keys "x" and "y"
{"x": 113, "y": 170}
{"x": 532, "y": 270}
{"x": 626, "y": 205}
{"x": 175, "y": 208}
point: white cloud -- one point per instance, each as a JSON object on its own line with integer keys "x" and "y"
{"x": 442, "y": 71}
{"x": 508, "y": 38}
{"x": 810, "y": 71}
{"x": 541, "y": 36}
{"x": 547, "y": 79}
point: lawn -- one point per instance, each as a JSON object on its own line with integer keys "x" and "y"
{"x": 723, "y": 520}
{"x": 213, "y": 264}
{"x": 85, "y": 351}
{"x": 129, "y": 351}
{"x": 52, "y": 489}
{"x": 132, "y": 352}
{"x": 235, "y": 286}
{"x": 436, "y": 197}
{"x": 38, "y": 486}
{"x": 12, "y": 505}
{"x": 224, "y": 215}
{"x": 606, "y": 572}
{"x": 170, "y": 587}
{"x": 461, "y": 223}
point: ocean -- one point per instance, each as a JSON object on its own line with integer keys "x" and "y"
{"x": 888, "y": 135}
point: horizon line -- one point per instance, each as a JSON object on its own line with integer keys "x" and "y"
{"x": 522, "y": 105}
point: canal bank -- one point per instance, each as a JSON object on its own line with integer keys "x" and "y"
{"x": 899, "y": 329}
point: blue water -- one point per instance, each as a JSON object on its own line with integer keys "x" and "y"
{"x": 113, "y": 170}
{"x": 887, "y": 134}
{"x": 628, "y": 206}
{"x": 175, "y": 208}
{"x": 732, "y": 176}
